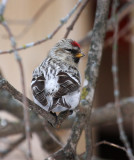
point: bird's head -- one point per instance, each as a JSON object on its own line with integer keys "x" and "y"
{"x": 67, "y": 50}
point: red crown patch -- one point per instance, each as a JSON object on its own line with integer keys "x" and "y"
{"x": 75, "y": 44}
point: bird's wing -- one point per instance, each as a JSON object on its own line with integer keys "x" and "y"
{"x": 38, "y": 84}
{"x": 68, "y": 83}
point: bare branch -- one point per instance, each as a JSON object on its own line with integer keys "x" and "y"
{"x": 12, "y": 147}
{"x": 26, "y": 114}
{"x": 110, "y": 144}
{"x": 100, "y": 116}
{"x": 123, "y": 136}
{"x": 9, "y": 104}
{"x": 126, "y": 9}
{"x": 94, "y": 57}
{"x": 54, "y": 121}
{"x": 12, "y": 128}
{"x": 70, "y": 27}
{"x": 2, "y": 7}
{"x": 52, "y": 135}
{"x": 30, "y": 22}
{"x": 69, "y": 151}
{"x": 50, "y": 36}
{"x": 92, "y": 69}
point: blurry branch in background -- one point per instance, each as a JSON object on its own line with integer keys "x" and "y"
{"x": 51, "y": 35}
{"x": 126, "y": 9}
{"x": 2, "y": 7}
{"x": 123, "y": 11}
{"x": 121, "y": 33}
{"x": 19, "y": 61}
{"x": 101, "y": 116}
{"x": 92, "y": 68}
{"x": 69, "y": 150}
{"x": 70, "y": 27}
{"x": 91, "y": 74}
{"x": 11, "y": 147}
{"x": 123, "y": 136}
{"x": 28, "y": 23}
{"x": 16, "y": 128}
{"x": 51, "y": 134}
{"x": 110, "y": 144}
{"x": 31, "y": 105}
{"x": 86, "y": 117}
{"x": 34, "y": 18}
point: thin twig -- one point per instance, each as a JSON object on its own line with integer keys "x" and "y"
{"x": 13, "y": 128}
{"x": 51, "y": 134}
{"x": 26, "y": 115}
{"x": 86, "y": 40}
{"x": 110, "y": 144}
{"x": 51, "y": 35}
{"x": 128, "y": 37}
{"x": 92, "y": 70}
{"x": 126, "y": 9}
{"x": 101, "y": 116}
{"x": 54, "y": 121}
{"x": 69, "y": 151}
{"x": 123, "y": 136}
{"x": 94, "y": 58}
{"x": 2, "y": 7}
{"x": 70, "y": 27}
{"x": 12, "y": 147}
{"x": 30, "y": 22}
{"x": 121, "y": 33}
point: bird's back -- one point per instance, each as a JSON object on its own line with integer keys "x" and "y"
{"x": 60, "y": 85}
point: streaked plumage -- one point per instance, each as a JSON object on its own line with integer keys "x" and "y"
{"x": 56, "y": 81}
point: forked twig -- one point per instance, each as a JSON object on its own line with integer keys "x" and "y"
{"x": 26, "y": 114}
{"x": 110, "y": 144}
{"x": 29, "y": 23}
{"x": 70, "y": 27}
{"x": 51, "y": 35}
{"x": 123, "y": 136}
{"x": 54, "y": 121}
{"x": 11, "y": 147}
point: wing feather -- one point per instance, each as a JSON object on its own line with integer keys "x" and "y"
{"x": 38, "y": 89}
{"x": 67, "y": 84}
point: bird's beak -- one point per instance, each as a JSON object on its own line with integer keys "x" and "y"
{"x": 79, "y": 55}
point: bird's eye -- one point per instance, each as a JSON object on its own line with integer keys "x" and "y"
{"x": 69, "y": 50}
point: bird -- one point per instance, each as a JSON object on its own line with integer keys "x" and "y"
{"x": 56, "y": 81}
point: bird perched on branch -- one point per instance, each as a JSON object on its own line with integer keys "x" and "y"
{"x": 56, "y": 81}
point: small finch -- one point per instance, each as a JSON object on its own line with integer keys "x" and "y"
{"x": 56, "y": 81}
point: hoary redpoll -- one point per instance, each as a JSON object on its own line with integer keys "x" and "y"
{"x": 56, "y": 81}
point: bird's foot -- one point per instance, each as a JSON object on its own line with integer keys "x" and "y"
{"x": 61, "y": 117}
{"x": 71, "y": 112}
{"x": 54, "y": 114}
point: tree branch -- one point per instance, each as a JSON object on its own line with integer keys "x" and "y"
{"x": 92, "y": 69}
{"x": 70, "y": 27}
{"x": 100, "y": 116}
{"x": 126, "y": 9}
{"x": 54, "y": 121}
{"x": 48, "y": 37}
{"x": 11, "y": 147}
{"x": 123, "y": 136}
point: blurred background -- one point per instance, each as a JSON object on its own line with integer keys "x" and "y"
{"x": 33, "y": 20}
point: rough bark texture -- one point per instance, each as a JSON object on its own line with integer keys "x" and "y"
{"x": 92, "y": 69}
